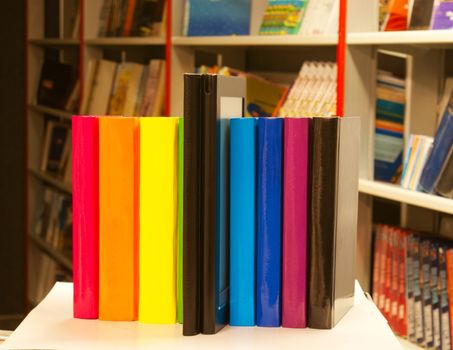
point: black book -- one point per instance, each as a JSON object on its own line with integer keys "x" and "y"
{"x": 55, "y": 84}
{"x": 192, "y": 206}
{"x": 223, "y": 99}
{"x": 421, "y": 14}
{"x": 52, "y": 18}
{"x": 148, "y": 17}
{"x": 333, "y": 219}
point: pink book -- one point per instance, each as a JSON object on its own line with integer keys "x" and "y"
{"x": 85, "y": 198}
{"x": 295, "y": 221}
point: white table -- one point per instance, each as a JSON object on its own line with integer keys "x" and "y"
{"x": 50, "y": 325}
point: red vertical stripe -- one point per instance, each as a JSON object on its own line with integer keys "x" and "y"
{"x": 341, "y": 58}
{"x": 168, "y": 44}
{"x": 81, "y": 48}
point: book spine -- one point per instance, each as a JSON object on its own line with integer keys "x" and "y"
{"x": 180, "y": 219}
{"x": 388, "y": 275}
{"x": 242, "y": 221}
{"x": 410, "y": 291}
{"x": 394, "y": 282}
{"x": 449, "y": 267}
{"x": 129, "y": 17}
{"x": 433, "y": 284}
{"x": 402, "y": 310}
{"x": 426, "y": 294}
{"x": 418, "y": 306}
{"x": 295, "y": 222}
{"x": 209, "y": 203}
{"x": 376, "y": 266}
{"x": 118, "y": 219}
{"x": 158, "y": 219}
{"x": 322, "y": 223}
{"x": 192, "y": 206}
{"x": 444, "y": 302}
{"x": 85, "y": 197}
{"x": 268, "y": 279}
{"x": 383, "y": 268}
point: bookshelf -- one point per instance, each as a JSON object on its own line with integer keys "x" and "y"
{"x": 430, "y": 55}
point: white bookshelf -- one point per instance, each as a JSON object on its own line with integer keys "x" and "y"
{"x": 279, "y": 56}
{"x": 151, "y": 41}
{"x": 256, "y": 40}
{"x": 41, "y": 110}
{"x": 399, "y": 194}
{"x": 417, "y": 37}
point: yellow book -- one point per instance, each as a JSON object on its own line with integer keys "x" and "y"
{"x": 158, "y": 219}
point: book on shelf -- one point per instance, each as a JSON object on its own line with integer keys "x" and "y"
{"x": 417, "y": 151}
{"x": 425, "y": 283}
{"x": 124, "y": 89}
{"x": 222, "y": 17}
{"x": 56, "y": 150}
{"x": 394, "y": 15}
{"x": 312, "y": 94}
{"x": 61, "y": 19}
{"x": 415, "y": 14}
{"x": 389, "y": 127}
{"x": 57, "y": 85}
{"x": 126, "y": 18}
{"x": 52, "y": 225}
{"x": 443, "y": 141}
{"x": 283, "y": 17}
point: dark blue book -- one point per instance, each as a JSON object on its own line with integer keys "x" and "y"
{"x": 441, "y": 146}
{"x": 242, "y": 221}
{"x": 217, "y": 17}
{"x": 269, "y": 217}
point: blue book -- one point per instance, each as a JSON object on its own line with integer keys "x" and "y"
{"x": 269, "y": 216}
{"x": 217, "y": 17}
{"x": 242, "y": 221}
{"x": 442, "y": 143}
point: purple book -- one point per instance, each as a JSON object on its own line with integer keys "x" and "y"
{"x": 295, "y": 222}
{"x": 443, "y": 16}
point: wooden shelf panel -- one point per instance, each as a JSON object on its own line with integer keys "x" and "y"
{"x": 411, "y": 37}
{"x": 54, "y": 42}
{"x": 51, "y": 111}
{"x": 256, "y": 40}
{"x": 126, "y": 41}
{"x": 51, "y": 180}
{"x": 399, "y": 194}
{"x": 51, "y": 251}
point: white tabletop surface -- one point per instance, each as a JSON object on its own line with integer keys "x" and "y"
{"x": 51, "y": 326}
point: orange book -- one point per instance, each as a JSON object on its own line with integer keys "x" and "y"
{"x": 449, "y": 256}
{"x": 129, "y": 18}
{"x": 397, "y": 15}
{"x": 118, "y": 218}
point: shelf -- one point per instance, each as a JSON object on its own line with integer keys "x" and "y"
{"x": 399, "y": 194}
{"x": 126, "y": 41}
{"x": 54, "y": 42}
{"x": 413, "y": 37}
{"x": 51, "y": 111}
{"x": 51, "y": 180}
{"x": 51, "y": 251}
{"x": 257, "y": 40}
{"x": 51, "y": 325}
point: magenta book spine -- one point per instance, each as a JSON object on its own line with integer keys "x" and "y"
{"x": 295, "y": 222}
{"x": 85, "y": 197}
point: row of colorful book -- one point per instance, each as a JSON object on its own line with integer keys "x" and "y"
{"x": 428, "y": 162}
{"x": 413, "y": 285}
{"x": 213, "y": 219}
{"x": 275, "y": 17}
{"x": 415, "y": 14}
{"x": 312, "y": 93}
